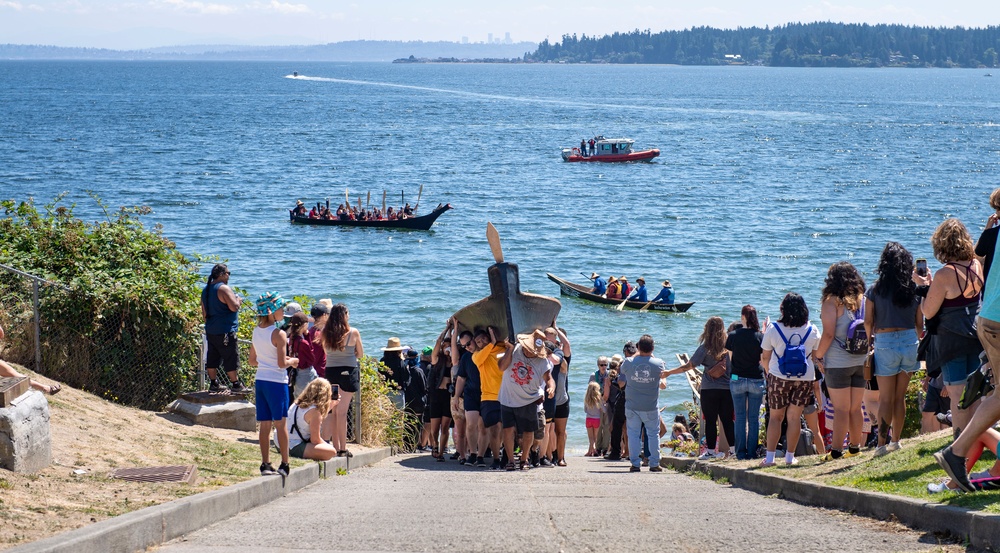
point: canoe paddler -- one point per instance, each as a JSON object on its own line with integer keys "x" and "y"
{"x": 639, "y": 294}
{"x": 666, "y": 294}
{"x": 600, "y": 285}
{"x": 614, "y": 289}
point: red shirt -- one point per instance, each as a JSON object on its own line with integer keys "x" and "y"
{"x": 318, "y": 352}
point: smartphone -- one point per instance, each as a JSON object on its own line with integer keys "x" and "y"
{"x": 334, "y": 392}
{"x": 922, "y": 267}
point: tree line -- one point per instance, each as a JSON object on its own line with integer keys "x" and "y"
{"x": 793, "y": 45}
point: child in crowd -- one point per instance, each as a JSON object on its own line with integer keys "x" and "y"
{"x": 267, "y": 353}
{"x": 592, "y": 407}
{"x": 300, "y": 347}
{"x": 304, "y": 419}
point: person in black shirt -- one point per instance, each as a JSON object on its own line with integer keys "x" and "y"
{"x": 747, "y": 381}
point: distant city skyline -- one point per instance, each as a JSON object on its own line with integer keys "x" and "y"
{"x": 151, "y": 23}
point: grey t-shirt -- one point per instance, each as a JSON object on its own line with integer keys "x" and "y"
{"x": 701, "y": 357}
{"x": 836, "y": 356}
{"x": 889, "y": 315}
{"x": 561, "y": 378}
{"x": 524, "y": 380}
{"x": 642, "y": 378}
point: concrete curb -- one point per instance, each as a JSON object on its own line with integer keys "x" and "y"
{"x": 981, "y": 530}
{"x": 159, "y": 524}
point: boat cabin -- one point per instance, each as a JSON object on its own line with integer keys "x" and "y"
{"x": 613, "y": 146}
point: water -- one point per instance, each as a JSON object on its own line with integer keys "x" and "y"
{"x": 767, "y": 175}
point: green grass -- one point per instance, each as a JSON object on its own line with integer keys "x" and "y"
{"x": 908, "y": 471}
{"x": 223, "y": 462}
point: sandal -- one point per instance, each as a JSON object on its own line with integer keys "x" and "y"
{"x": 511, "y": 467}
{"x": 561, "y": 463}
{"x": 54, "y": 389}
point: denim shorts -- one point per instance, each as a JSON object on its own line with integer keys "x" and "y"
{"x": 896, "y": 352}
{"x": 957, "y": 371}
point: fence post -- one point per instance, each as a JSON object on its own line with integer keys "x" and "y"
{"x": 357, "y": 417}
{"x": 38, "y": 326}
{"x": 201, "y": 361}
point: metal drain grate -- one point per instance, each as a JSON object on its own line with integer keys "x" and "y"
{"x": 179, "y": 473}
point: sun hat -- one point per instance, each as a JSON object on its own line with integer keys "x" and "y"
{"x": 298, "y": 202}
{"x": 393, "y": 345}
{"x": 624, "y": 278}
{"x": 268, "y": 303}
{"x": 666, "y": 283}
{"x": 594, "y": 275}
{"x": 534, "y": 343}
{"x": 640, "y": 279}
{"x": 612, "y": 278}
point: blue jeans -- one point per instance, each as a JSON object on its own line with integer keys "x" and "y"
{"x": 748, "y": 393}
{"x": 633, "y": 426}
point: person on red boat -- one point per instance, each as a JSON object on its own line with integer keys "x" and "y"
{"x": 592, "y": 144}
{"x": 583, "y": 147}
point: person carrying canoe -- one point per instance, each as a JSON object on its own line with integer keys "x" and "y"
{"x": 666, "y": 294}
{"x": 600, "y": 285}
{"x": 614, "y": 289}
{"x": 639, "y": 294}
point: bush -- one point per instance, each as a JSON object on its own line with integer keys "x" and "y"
{"x": 124, "y": 326}
{"x": 382, "y": 423}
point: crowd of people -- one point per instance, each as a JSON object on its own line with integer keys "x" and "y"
{"x": 831, "y": 389}
{"x": 347, "y": 212}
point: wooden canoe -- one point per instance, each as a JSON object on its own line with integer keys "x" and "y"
{"x": 581, "y": 291}
{"x": 423, "y": 222}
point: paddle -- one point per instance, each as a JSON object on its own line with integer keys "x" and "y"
{"x": 420, "y": 193}
{"x": 368, "y": 203}
{"x": 645, "y": 307}
{"x": 493, "y": 237}
{"x": 347, "y": 199}
{"x": 621, "y": 306}
{"x": 383, "y": 203}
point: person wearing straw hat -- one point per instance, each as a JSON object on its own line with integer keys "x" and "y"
{"x": 639, "y": 294}
{"x": 600, "y": 285}
{"x": 299, "y": 209}
{"x": 614, "y": 291}
{"x": 392, "y": 358}
{"x": 666, "y": 294}
{"x": 527, "y": 374}
{"x": 626, "y": 288}
{"x": 267, "y": 353}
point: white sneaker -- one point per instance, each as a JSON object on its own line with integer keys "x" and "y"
{"x": 707, "y": 456}
{"x": 980, "y": 475}
{"x": 881, "y": 450}
{"x": 720, "y": 455}
{"x": 795, "y": 461}
{"x": 893, "y": 446}
{"x": 938, "y": 487}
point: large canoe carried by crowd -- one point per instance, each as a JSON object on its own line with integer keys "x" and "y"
{"x": 607, "y": 150}
{"x": 582, "y": 291}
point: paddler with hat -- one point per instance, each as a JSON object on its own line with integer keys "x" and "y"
{"x": 614, "y": 288}
{"x": 600, "y": 285}
{"x": 527, "y": 375}
{"x": 639, "y": 294}
{"x": 666, "y": 294}
{"x": 300, "y": 209}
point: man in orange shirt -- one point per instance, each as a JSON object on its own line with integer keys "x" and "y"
{"x": 490, "y": 377}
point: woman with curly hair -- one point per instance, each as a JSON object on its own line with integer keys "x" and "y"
{"x": 716, "y": 397}
{"x": 343, "y": 351}
{"x": 892, "y": 318}
{"x": 951, "y": 308}
{"x": 305, "y": 417}
{"x": 843, "y": 303}
{"x": 788, "y": 393}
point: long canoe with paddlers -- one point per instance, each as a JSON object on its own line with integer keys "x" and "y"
{"x": 422, "y": 222}
{"x": 582, "y": 291}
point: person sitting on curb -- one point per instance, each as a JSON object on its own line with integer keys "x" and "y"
{"x": 987, "y": 441}
{"x": 305, "y": 417}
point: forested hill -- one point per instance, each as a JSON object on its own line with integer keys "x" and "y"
{"x": 792, "y": 45}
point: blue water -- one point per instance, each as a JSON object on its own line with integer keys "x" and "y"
{"x": 767, "y": 175}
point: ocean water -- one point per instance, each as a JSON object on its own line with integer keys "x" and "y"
{"x": 766, "y": 177}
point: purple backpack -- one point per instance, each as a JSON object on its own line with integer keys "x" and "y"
{"x": 857, "y": 337}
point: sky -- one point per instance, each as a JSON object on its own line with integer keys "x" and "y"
{"x": 150, "y": 23}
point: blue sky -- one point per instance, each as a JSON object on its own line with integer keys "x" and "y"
{"x": 150, "y": 23}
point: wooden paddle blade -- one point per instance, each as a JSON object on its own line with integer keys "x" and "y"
{"x": 493, "y": 237}
{"x": 419, "y": 194}
{"x": 621, "y": 306}
{"x": 645, "y": 307}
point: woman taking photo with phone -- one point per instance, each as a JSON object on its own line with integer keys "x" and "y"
{"x": 951, "y": 307}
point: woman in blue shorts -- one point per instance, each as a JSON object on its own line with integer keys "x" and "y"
{"x": 892, "y": 317}
{"x": 267, "y": 353}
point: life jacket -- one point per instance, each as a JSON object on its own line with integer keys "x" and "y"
{"x": 614, "y": 290}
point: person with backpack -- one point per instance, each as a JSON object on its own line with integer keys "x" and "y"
{"x": 892, "y": 320}
{"x": 788, "y": 347}
{"x": 841, "y": 355}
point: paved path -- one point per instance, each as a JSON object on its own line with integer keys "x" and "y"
{"x": 411, "y": 503}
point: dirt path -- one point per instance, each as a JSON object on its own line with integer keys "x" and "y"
{"x": 96, "y": 436}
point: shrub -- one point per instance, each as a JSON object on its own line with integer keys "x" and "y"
{"x": 382, "y": 423}
{"x": 124, "y": 327}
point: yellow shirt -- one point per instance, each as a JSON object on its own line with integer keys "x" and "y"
{"x": 490, "y": 375}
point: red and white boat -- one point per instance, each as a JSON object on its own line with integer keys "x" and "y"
{"x": 609, "y": 150}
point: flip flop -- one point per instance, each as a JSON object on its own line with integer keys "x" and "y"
{"x": 54, "y": 389}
